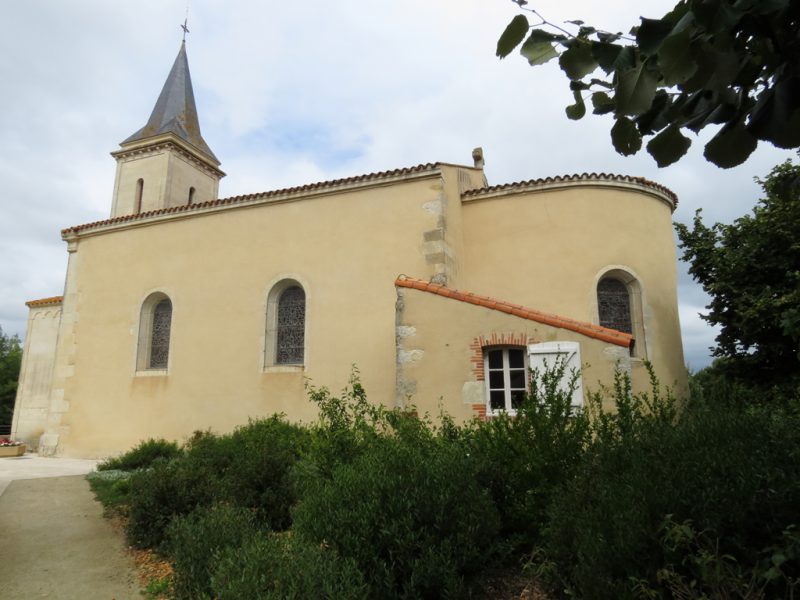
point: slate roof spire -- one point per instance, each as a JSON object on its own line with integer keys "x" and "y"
{"x": 175, "y": 111}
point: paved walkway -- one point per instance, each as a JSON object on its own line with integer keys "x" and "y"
{"x": 54, "y": 541}
{"x": 32, "y": 466}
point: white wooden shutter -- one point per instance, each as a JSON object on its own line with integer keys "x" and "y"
{"x": 547, "y": 354}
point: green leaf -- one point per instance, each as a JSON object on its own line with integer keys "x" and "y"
{"x": 651, "y": 33}
{"x": 578, "y": 110}
{"x": 512, "y": 36}
{"x": 603, "y": 103}
{"x": 675, "y": 59}
{"x": 668, "y": 146}
{"x": 776, "y": 115}
{"x": 732, "y": 145}
{"x": 658, "y": 116}
{"x": 626, "y": 138}
{"x": 636, "y": 89}
{"x": 577, "y": 61}
{"x": 606, "y": 54}
{"x": 537, "y": 48}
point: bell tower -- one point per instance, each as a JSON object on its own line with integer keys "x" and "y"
{"x": 167, "y": 162}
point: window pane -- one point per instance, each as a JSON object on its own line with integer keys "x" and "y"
{"x": 517, "y": 396}
{"x": 517, "y": 379}
{"x": 159, "y": 342}
{"x": 496, "y": 381}
{"x": 614, "y": 305}
{"x": 497, "y": 400}
{"x": 291, "y": 326}
{"x": 516, "y": 359}
{"x": 495, "y": 359}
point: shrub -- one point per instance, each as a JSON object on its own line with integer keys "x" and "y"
{"x": 523, "y": 459}
{"x": 249, "y": 468}
{"x": 408, "y": 511}
{"x": 285, "y": 567}
{"x": 142, "y": 456}
{"x": 160, "y": 494}
{"x": 196, "y": 540}
{"x": 730, "y": 471}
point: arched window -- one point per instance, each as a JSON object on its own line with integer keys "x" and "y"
{"x": 291, "y": 326}
{"x": 614, "y": 305}
{"x": 137, "y": 205}
{"x": 619, "y": 306}
{"x": 155, "y": 327}
{"x": 191, "y": 195}
{"x": 286, "y": 324}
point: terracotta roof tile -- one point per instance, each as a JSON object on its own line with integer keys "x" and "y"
{"x": 591, "y": 330}
{"x": 188, "y": 208}
{"x": 575, "y": 178}
{"x": 45, "y": 301}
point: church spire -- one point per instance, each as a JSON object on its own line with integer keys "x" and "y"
{"x": 175, "y": 111}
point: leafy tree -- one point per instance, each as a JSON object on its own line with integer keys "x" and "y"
{"x": 10, "y": 360}
{"x": 734, "y": 63}
{"x": 751, "y": 269}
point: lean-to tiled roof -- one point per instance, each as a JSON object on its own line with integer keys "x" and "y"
{"x": 53, "y": 300}
{"x": 573, "y": 179}
{"x": 605, "y": 334}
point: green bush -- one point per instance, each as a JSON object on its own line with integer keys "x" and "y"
{"x": 249, "y": 467}
{"x": 142, "y": 456}
{"x": 197, "y": 539}
{"x": 731, "y": 472}
{"x": 408, "y": 511}
{"x": 161, "y": 493}
{"x": 522, "y": 460}
{"x": 285, "y": 567}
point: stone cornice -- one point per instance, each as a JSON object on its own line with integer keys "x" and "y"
{"x": 168, "y": 141}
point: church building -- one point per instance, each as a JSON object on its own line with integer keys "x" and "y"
{"x": 184, "y": 311}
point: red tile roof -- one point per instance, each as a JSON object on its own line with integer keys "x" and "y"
{"x": 322, "y": 185}
{"x": 576, "y": 178}
{"x": 605, "y": 334}
{"x": 45, "y": 301}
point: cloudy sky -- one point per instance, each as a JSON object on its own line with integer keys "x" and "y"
{"x": 290, "y": 93}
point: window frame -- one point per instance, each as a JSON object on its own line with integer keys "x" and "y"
{"x": 269, "y": 354}
{"x": 144, "y": 342}
{"x": 636, "y": 304}
{"x": 506, "y": 370}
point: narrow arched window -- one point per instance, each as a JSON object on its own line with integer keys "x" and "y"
{"x": 155, "y": 328}
{"x": 614, "y": 305}
{"x": 291, "y": 324}
{"x": 159, "y": 339}
{"x": 137, "y": 205}
{"x": 191, "y": 195}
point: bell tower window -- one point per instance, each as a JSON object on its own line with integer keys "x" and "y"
{"x": 137, "y": 204}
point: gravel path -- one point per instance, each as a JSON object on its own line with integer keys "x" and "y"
{"x": 55, "y": 543}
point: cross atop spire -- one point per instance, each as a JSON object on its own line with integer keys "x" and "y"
{"x": 175, "y": 111}
{"x": 185, "y": 27}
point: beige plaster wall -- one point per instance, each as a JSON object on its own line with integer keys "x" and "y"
{"x": 547, "y": 249}
{"x": 436, "y": 338}
{"x": 345, "y": 248}
{"x": 36, "y": 374}
{"x": 167, "y": 176}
